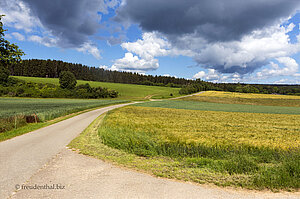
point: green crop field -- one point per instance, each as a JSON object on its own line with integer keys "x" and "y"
{"x": 47, "y": 108}
{"x": 126, "y": 91}
{"x": 13, "y": 111}
{"x": 253, "y": 150}
{"x": 208, "y": 106}
{"x": 246, "y": 98}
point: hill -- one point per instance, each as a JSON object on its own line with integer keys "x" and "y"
{"x": 126, "y": 91}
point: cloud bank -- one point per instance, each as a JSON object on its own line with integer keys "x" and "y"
{"x": 65, "y": 24}
{"x": 232, "y": 36}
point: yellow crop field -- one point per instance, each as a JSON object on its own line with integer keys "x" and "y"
{"x": 246, "y": 98}
{"x": 251, "y": 149}
{"x": 246, "y": 95}
{"x": 209, "y": 128}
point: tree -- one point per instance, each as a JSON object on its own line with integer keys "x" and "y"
{"x": 9, "y": 54}
{"x": 67, "y": 80}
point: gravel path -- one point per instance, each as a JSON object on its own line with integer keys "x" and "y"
{"x": 188, "y": 95}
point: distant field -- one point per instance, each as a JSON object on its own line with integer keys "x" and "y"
{"x": 126, "y": 91}
{"x": 247, "y": 95}
{"x": 241, "y": 149}
{"x": 246, "y": 98}
{"x": 208, "y": 106}
{"x": 13, "y": 111}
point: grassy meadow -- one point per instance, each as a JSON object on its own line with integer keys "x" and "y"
{"x": 246, "y": 98}
{"x": 251, "y": 150}
{"x": 16, "y": 112}
{"x": 126, "y": 91}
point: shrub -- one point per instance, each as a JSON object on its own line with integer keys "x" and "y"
{"x": 4, "y": 73}
{"x": 67, "y": 80}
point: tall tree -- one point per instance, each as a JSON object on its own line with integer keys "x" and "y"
{"x": 67, "y": 80}
{"x": 9, "y": 54}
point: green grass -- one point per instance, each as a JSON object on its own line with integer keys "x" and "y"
{"x": 208, "y": 106}
{"x": 15, "y": 112}
{"x": 162, "y": 142}
{"x": 126, "y": 91}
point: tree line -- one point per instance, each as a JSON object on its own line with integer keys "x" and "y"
{"x": 53, "y": 68}
{"x": 200, "y": 85}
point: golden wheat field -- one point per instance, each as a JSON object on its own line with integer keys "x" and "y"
{"x": 246, "y": 95}
{"x": 211, "y": 128}
{"x": 246, "y": 98}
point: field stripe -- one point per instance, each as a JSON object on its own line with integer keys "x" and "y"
{"x": 207, "y": 106}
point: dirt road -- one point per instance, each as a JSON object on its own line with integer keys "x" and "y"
{"x": 188, "y": 95}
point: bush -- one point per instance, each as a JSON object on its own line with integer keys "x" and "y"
{"x": 17, "y": 88}
{"x": 4, "y": 73}
{"x": 67, "y": 80}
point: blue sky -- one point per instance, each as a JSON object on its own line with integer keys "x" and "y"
{"x": 170, "y": 38}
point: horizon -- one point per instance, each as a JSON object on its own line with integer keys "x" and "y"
{"x": 257, "y": 43}
{"x": 272, "y": 84}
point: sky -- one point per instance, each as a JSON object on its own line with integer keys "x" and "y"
{"x": 255, "y": 41}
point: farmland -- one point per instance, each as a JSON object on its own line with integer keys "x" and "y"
{"x": 246, "y": 98}
{"x": 208, "y": 106}
{"x": 126, "y": 91}
{"x": 13, "y": 111}
{"x": 252, "y": 150}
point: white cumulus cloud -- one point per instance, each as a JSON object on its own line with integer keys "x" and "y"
{"x": 290, "y": 68}
{"x": 18, "y": 15}
{"x": 18, "y": 36}
{"x": 199, "y": 75}
{"x": 135, "y": 64}
{"x": 46, "y": 41}
{"x": 90, "y": 48}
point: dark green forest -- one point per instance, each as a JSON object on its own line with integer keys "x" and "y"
{"x": 52, "y": 69}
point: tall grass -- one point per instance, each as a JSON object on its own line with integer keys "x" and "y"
{"x": 269, "y": 155}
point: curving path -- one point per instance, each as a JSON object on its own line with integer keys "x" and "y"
{"x": 23, "y": 156}
{"x": 188, "y": 95}
{"x": 40, "y": 158}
